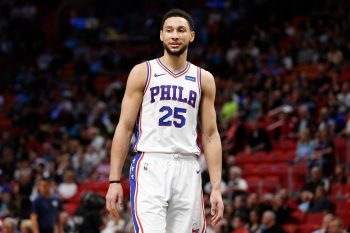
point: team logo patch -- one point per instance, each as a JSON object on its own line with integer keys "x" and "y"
{"x": 195, "y": 228}
{"x": 190, "y": 78}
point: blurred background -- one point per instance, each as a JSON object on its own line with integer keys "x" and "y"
{"x": 282, "y": 70}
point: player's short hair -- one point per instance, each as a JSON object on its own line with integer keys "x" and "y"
{"x": 178, "y": 13}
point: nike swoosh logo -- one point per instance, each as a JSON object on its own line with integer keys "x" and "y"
{"x": 157, "y": 75}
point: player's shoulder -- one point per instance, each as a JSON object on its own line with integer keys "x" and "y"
{"x": 140, "y": 68}
{"x": 138, "y": 75}
{"x": 207, "y": 77}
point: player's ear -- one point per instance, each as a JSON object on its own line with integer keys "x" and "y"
{"x": 161, "y": 35}
{"x": 192, "y": 36}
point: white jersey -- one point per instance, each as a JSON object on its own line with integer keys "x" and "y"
{"x": 167, "y": 121}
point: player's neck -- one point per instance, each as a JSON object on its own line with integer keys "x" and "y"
{"x": 175, "y": 63}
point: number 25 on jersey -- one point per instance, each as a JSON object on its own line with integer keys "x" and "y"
{"x": 172, "y": 117}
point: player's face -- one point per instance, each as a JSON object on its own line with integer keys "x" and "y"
{"x": 176, "y": 35}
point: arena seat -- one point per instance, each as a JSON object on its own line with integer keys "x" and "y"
{"x": 297, "y": 217}
{"x": 290, "y": 228}
{"x": 340, "y": 147}
{"x": 271, "y": 184}
{"x": 314, "y": 218}
{"x": 285, "y": 145}
{"x": 283, "y": 156}
{"x": 308, "y": 228}
{"x": 249, "y": 170}
{"x": 244, "y": 158}
{"x": 70, "y": 207}
{"x": 254, "y": 184}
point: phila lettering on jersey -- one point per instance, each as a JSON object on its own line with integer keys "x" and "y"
{"x": 167, "y": 121}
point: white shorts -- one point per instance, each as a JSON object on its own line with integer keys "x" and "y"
{"x": 166, "y": 194}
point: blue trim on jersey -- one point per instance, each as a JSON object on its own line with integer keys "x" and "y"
{"x": 200, "y": 82}
{"x": 187, "y": 64}
{"x": 147, "y": 77}
{"x": 133, "y": 186}
{"x": 137, "y": 132}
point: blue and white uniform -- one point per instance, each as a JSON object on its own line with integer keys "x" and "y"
{"x": 165, "y": 176}
{"x": 168, "y": 116}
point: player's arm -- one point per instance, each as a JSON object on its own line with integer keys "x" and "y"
{"x": 34, "y": 219}
{"x": 211, "y": 144}
{"x": 121, "y": 141}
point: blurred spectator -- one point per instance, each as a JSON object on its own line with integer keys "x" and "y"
{"x": 81, "y": 166}
{"x": 46, "y": 209}
{"x": 324, "y": 150}
{"x": 325, "y": 223}
{"x": 305, "y": 121}
{"x": 253, "y": 202}
{"x": 315, "y": 180}
{"x": 229, "y": 108}
{"x": 26, "y": 226}
{"x": 280, "y": 209}
{"x": 320, "y": 202}
{"x": 91, "y": 156}
{"x": 336, "y": 226}
{"x": 239, "y": 224}
{"x": 305, "y": 147}
{"x": 339, "y": 176}
{"x": 68, "y": 187}
{"x": 285, "y": 124}
{"x": 254, "y": 221}
{"x": 305, "y": 200}
{"x": 344, "y": 98}
{"x": 240, "y": 206}
{"x": 7, "y": 203}
{"x": 232, "y": 53}
{"x": 335, "y": 55}
{"x": 269, "y": 223}
{"x": 9, "y": 225}
{"x": 258, "y": 139}
{"x": 325, "y": 121}
{"x": 236, "y": 184}
{"x": 92, "y": 213}
{"x": 235, "y": 137}
{"x": 306, "y": 54}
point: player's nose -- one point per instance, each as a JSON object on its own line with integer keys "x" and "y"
{"x": 175, "y": 35}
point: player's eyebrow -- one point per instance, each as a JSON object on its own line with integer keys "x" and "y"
{"x": 172, "y": 27}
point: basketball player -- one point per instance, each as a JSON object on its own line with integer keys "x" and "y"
{"x": 164, "y": 96}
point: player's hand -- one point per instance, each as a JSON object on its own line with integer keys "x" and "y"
{"x": 114, "y": 199}
{"x": 217, "y": 207}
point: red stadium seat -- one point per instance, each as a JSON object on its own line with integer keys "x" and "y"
{"x": 344, "y": 214}
{"x": 308, "y": 228}
{"x": 340, "y": 145}
{"x": 314, "y": 218}
{"x": 254, "y": 184}
{"x": 265, "y": 169}
{"x": 286, "y": 156}
{"x": 290, "y": 228}
{"x": 249, "y": 170}
{"x": 285, "y": 145}
{"x": 244, "y": 158}
{"x": 277, "y": 155}
{"x": 300, "y": 169}
{"x": 271, "y": 184}
{"x": 70, "y": 207}
{"x": 296, "y": 217}
{"x": 264, "y": 157}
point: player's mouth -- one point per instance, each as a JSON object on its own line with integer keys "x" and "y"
{"x": 174, "y": 45}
